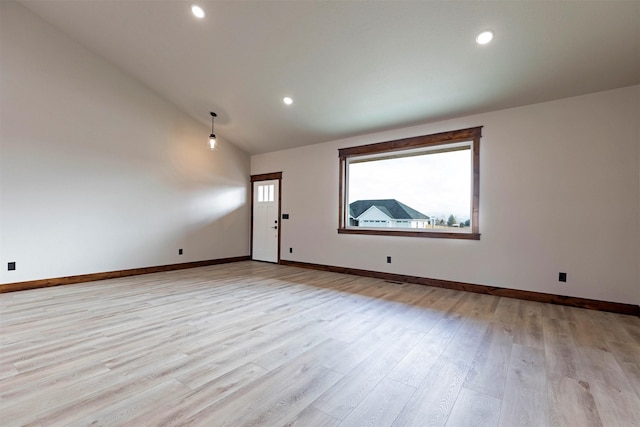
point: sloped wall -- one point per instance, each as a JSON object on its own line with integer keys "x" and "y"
{"x": 97, "y": 172}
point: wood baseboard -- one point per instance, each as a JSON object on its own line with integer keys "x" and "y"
{"x": 614, "y": 307}
{"x": 43, "y": 283}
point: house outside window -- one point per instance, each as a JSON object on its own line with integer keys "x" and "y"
{"x": 390, "y": 212}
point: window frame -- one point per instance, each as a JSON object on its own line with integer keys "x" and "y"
{"x": 471, "y": 135}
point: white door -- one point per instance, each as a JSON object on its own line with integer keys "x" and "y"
{"x": 265, "y": 220}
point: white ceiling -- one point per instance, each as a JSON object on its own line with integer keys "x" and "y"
{"x": 354, "y": 67}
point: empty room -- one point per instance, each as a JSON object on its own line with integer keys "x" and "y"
{"x": 319, "y": 213}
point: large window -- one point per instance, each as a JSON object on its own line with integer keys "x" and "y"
{"x": 427, "y": 186}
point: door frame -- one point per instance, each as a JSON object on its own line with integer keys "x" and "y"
{"x": 267, "y": 177}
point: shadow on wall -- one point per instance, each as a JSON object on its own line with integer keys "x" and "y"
{"x": 209, "y": 206}
{"x": 215, "y": 226}
{"x": 213, "y": 237}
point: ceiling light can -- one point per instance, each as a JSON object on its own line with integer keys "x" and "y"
{"x": 287, "y": 100}
{"x": 484, "y": 37}
{"x": 197, "y": 11}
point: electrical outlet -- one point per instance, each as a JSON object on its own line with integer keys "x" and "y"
{"x": 388, "y": 260}
{"x": 179, "y": 251}
{"x": 11, "y": 266}
{"x": 562, "y": 277}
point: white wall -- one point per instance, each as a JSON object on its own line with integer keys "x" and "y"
{"x": 97, "y": 172}
{"x": 559, "y": 191}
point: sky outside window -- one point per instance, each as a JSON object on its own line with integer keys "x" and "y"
{"x": 435, "y": 184}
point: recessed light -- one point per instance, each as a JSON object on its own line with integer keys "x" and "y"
{"x": 197, "y": 11}
{"x": 287, "y": 100}
{"x": 484, "y": 37}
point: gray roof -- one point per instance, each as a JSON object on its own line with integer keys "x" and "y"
{"x": 391, "y": 207}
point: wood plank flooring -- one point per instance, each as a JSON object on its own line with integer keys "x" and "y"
{"x": 254, "y": 344}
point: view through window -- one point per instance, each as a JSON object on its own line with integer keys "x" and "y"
{"x": 424, "y": 186}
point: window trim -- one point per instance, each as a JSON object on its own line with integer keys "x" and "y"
{"x": 462, "y": 135}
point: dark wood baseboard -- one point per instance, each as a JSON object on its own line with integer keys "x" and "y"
{"x": 43, "y": 283}
{"x": 614, "y": 307}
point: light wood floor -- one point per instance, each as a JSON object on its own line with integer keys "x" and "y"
{"x": 258, "y": 344}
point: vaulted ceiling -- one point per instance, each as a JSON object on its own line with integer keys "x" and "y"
{"x": 354, "y": 67}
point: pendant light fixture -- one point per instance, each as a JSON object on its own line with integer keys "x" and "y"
{"x": 212, "y": 137}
